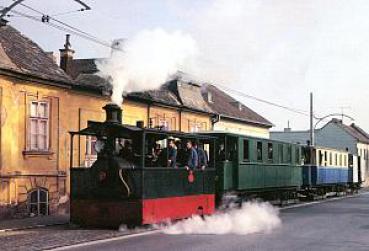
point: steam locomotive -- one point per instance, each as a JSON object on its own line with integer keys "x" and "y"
{"x": 129, "y": 184}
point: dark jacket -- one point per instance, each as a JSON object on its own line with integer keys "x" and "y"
{"x": 192, "y": 161}
{"x": 203, "y": 157}
{"x": 172, "y": 156}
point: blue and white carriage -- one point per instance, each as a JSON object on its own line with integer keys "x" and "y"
{"x": 330, "y": 169}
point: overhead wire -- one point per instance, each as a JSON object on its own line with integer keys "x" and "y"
{"x": 92, "y": 38}
{"x": 242, "y": 94}
{"x": 58, "y": 21}
{"x": 69, "y": 30}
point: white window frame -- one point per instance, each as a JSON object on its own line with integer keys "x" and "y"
{"x": 195, "y": 126}
{"x": 163, "y": 122}
{"x": 34, "y": 146}
{"x": 38, "y": 202}
{"x": 90, "y": 158}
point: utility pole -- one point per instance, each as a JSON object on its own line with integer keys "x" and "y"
{"x": 312, "y": 137}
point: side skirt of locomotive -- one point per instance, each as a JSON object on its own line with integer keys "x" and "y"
{"x": 111, "y": 214}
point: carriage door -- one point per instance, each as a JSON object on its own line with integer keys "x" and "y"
{"x": 359, "y": 168}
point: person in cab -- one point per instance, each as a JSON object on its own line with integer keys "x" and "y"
{"x": 192, "y": 157}
{"x": 172, "y": 154}
{"x": 202, "y": 156}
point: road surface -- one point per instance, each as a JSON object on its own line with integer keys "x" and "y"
{"x": 341, "y": 224}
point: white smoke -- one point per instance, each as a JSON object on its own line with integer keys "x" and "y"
{"x": 252, "y": 217}
{"x": 147, "y": 60}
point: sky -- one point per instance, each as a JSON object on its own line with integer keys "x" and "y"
{"x": 278, "y": 51}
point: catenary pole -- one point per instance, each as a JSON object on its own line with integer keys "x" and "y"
{"x": 312, "y": 138}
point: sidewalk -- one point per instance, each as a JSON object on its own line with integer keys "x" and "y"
{"x": 40, "y": 221}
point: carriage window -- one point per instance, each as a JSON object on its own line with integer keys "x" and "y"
{"x": 325, "y": 158}
{"x": 306, "y": 153}
{"x": 297, "y": 155}
{"x": 350, "y": 160}
{"x": 270, "y": 151}
{"x": 336, "y": 159}
{"x": 259, "y": 151}
{"x": 220, "y": 149}
{"x": 231, "y": 148}
{"x": 246, "y": 148}
{"x": 280, "y": 153}
{"x": 330, "y": 159}
{"x": 289, "y": 153}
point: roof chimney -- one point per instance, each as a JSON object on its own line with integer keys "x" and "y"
{"x": 3, "y": 22}
{"x": 210, "y": 97}
{"x": 66, "y": 55}
{"x": 288, "y": 129}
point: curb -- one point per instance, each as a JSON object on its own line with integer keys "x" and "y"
{"x": 101, "y": 241}
{"x": 32, "y": 227}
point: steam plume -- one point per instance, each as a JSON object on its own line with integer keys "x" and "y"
{"x": 146, "y": 61}
{"x": 252, "y": 217}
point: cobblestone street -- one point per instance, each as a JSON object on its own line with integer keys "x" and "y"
{"x": 51, "y": 237}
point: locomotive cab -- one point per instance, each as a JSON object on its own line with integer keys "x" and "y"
{"x": 131, "y": 181}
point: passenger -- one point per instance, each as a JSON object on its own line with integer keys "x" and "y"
{"x": 181, "y": 154}
{"x": 202, "y": 156}
{"x": 163, "y": 158}
{"x": 119, "y": 147}
{"x": 221, "y": 154}
{"x": 172, "y": 154}
{"x": 192, "y": 158}
{"x": 156, "y": 151}
{"x": 127, "y": 151}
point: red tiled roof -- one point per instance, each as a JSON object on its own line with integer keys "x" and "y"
{"x": 227, "y": 106}
{"x": 19, "y": 54}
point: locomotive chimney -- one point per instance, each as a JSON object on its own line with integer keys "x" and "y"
{"x": 113, "y": 113}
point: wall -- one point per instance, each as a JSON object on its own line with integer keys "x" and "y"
{"x": 334, "y": 136}
{"x": 241, "y": 128}
{"x": 293, "y": 137}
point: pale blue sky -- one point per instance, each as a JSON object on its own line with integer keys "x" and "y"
{"x": 276, "y": 50}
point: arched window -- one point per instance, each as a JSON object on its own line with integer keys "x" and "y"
{"x": 38, "y": 201}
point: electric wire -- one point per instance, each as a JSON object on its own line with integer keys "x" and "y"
{"x": 72, "y": 31}
{"x": 242, "y": 94}
{"x": 58, "y": 21}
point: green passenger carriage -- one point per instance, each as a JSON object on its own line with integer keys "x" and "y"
{"x": 248, "y": 166}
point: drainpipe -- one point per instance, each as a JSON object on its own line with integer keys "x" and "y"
{"x": 215, "y": 119}
{"x": 180, "y": 120}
